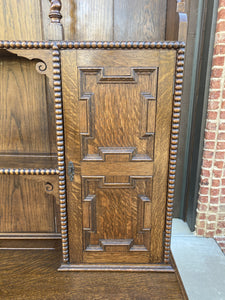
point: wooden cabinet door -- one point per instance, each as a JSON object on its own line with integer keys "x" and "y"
{"x": 117, "y": 114}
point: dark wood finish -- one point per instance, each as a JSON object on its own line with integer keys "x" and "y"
{"x": 119, "y": 243}
{"x": 57, "y": 85}
{"x": 33, "y": 275}
{"x": 55, "y": 30}
{"x": 55, "y": 9}
{"x": 33, "y": 241}
{"x": 141, "y": 240}
{"x": 24, "y": 124}
{"x": 139, "y": 20}
{"x": 101, "y": 27}
{"x": 28, "y": 161}
{"x": 27, "y": 216}
{"x": 176, "y": 27}
{"x": 114, "y": 20}
{"x": 27, "y": 135}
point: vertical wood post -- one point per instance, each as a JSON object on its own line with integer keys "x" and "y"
{"x": 55, "y": 31}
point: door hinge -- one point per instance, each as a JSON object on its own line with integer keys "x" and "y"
{"x": 71, "y": 170}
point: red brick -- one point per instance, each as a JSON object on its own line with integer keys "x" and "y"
{"x": 223, "y": 104}
{"x": 220, "y": 155}
{"x": 221, "y": 224}
{"x": 213, "y": 104}
{"x": 221, "y": 217}
{"x": 221, "y": 3}
{"x": 201, "y": 223}
{"x": 202, "y": 207}
{"x": 222, "y": 115}
{"x": 214, "y": 200}
{"x": 223, "y": 181}
{"x": 203, "y": 199}
{"x": 222, "y": 199}
{"x": 214, "y": 95}
{"x": 209, "y": 145}
{"x": 217, "y": 73}
{"x": 217, "y": 173}
{"x": 210, "y": 234}
{"x": 215, "y": 84}
{"x": 220, "y": 145}
{"x": 219, "y": 49}
{"x": 210, "y": 135}
{"x": 218, "y": 231}
{"x": 201, "y": 216}
{"x": 220, "y": 26}
{"x": 223, "y": 191}
{"x": 211, "y": 125}
{"x": 200, "y": 231}
{"x": 207, "y": 163}
{"x": 223, "y": 95}
{"x": 220, "y": 38}
{"x": 220, "y": 238}
{"x": 205, "y": 173}
{"x": 221, "y": 136}
{"x": 221, "y": 14}
{"x": 204, "y": 181}
{"x": 212, "y": 218}
{"x": 218, "y": 61}
{"x": 215, "y": 182}
{"x": 208, "y": 154}
{"x": 219, "y": 164}
{"x": 211, "y": 226}
{"x": 204, "y": 190}
{"x": 213, "y": 208}
{"x": 212, "y": 115}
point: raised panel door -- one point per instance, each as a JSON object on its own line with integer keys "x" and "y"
{"x": 117, "y": 114}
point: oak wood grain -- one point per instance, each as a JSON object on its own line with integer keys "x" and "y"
{"x": 88, "y": 20}
{"x": 24, "y": 113}
{"x": 73, "y": 151}
{"x": 28, "y": 204}
{"x": 20, "y": 20}
{"x": 121, "y": 214}
{"x": 139, "y": 20}
{"x": 27, "y": 128}
{"x": 35, "y": 276}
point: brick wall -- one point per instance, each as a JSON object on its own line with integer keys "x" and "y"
{"x": 211, "y": 203}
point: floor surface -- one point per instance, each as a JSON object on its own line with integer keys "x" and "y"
{"x": 200, "y": 262}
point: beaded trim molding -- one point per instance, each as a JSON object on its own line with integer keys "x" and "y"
{"x": 56, "y": 46}
{"x": 89, "y": 44}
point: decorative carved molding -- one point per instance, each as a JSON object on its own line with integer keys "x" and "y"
{"x": 57, "y": 86}
{"x": 146, "y": 107}
{"x": 55, "y": 9}
{"x": 90, "y": 213}
{"x": 49, "y": 187}
{"x": 30, "y": 171}
{"x": 173, "y": 150}
{"x": 117, "y": 268}
{"x": 89, "y": 44}
{"x": 56, "y": 46}
{"x": 43, "y": 67}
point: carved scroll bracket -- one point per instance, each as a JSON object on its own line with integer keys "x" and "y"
{"x": 44, "y": 66}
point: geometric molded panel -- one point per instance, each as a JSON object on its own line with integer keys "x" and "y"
{"x": 117, "y": 113}
{"x": 116, "y": 213}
